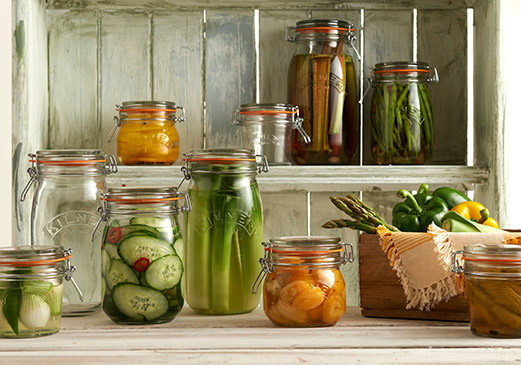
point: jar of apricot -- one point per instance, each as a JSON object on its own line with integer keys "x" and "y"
{"x": 147, "y": 133}
{"x": 303, "y": 285}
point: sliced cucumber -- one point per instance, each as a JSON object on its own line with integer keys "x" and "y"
{"x": 141, "y": 229}
{"x": 139, "y": 302}
{"x": 155, "y": 222}
{"x": 120, "y": 273}
{"x": 135, "y": 247}
{"x": 164, "y": 273}
{"x": 105, "y": 262}
{"x": 112, "y": 250}
{"x": 178, "y": 247}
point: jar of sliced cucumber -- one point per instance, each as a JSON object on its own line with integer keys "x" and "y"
{"x": 142, "y": 254}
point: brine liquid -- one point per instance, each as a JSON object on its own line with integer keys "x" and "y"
{"x": 324, "y": 88}
{"x": 223, "y": 244}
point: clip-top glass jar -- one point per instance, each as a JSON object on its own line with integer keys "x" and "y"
{"x": 401, "y": 113}
{"x": 267, "y": 128}
{"x": 493, "y": 287}
{"x": 64, "y": 213}
{"x": 303, "y": 285}
{"x": 322, "y": 82}
{"x": 223, "y": 231}
{"x": 142, "y": 254}
{"x": 147, "y": 134}
{"x": 31, "y": 287}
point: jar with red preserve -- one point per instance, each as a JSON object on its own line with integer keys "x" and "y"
{"x": 303, "y": 285}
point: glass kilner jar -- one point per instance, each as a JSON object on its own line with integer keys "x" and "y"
{"x": 31, "y": 287}
{"x": 493, "y": 288}
{"x": 64, "y": 213}
{"x": 322, "y": 82}
{"x": 402, "y": 130}
{"x": 223, "y": 231}
{"x": 303, "y": 285}
{"x": 147, "y": 132}
{"x": 142, "y": 254}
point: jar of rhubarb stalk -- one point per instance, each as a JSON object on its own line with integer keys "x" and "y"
{"x": 303, "y": 284}
{"x": 493, "y": 286}
{"x": 147, "y": 132}
{"x": 322, "y": 82}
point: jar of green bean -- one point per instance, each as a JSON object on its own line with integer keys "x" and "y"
{"x": 401, "y": 117}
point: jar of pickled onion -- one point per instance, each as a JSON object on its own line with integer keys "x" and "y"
{"x": 303, "y": 284}
{"x": 147, "y": 132}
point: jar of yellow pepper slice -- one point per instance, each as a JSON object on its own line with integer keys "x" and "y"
{"x": 147, "y": 132}
{"x": 303, "y": 285}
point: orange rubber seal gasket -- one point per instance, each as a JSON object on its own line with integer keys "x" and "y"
{"x": 507, "y": 261}
{"x": 219, "y": 159}
{"x": 139, "y": 201}
{"x": 80, "y": 162}
{"x": 268, "y": 112}
{"x": 40, "y": 262}
{"x": 401, "y": 71}
{"x": 325, "y": 29}
{"x": 303, "y": 253}
{"x": 147, "y": 110}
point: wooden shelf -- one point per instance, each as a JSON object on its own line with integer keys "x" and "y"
{"x": 252, "y": 338}
{"x": 323, "y": 178}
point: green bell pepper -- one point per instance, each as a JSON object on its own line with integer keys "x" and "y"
{"x": 419, "y": 210}
{"x": 451, "y": 196}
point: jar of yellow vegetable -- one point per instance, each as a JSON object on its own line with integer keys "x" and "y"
{"x": 493, "y": 286}
{"x": 147, "y": 133}
{"x": 303, "y": 285}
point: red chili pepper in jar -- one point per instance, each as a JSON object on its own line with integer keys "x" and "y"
{"x": 114, "y": 235}
{"x": 141, "y": 264}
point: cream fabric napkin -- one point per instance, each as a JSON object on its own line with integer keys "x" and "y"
{"x": 422, "y": 261}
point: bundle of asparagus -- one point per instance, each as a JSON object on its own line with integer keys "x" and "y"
{"x": 365, "y": 218}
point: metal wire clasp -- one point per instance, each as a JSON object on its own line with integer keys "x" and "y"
{"x": 103, "y": 215}
{"x": 69, "y": 270}
{"x": 266, "y": 267}
{"x": 347, "y": 254}
{"x": 297, "y": 124}
{"x": 111, "y": 164}
{"x": 187, "y": 206}
{"x": 33, "y": 174}
{"x": 265, "y": 167}
{"x": 455, "y": 266}
{"x": 186, "y": 172}
{"x": 115, "y": 128}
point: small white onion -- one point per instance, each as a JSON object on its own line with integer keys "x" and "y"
{"x": 34, "y": 311}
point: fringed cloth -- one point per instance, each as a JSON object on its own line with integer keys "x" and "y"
{"x": 422, "y": 261}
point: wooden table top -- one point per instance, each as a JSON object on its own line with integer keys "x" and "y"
{"x": 252, "y": 338}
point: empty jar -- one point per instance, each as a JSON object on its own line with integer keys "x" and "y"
{"x": 64, "y": 213}
{"x": 303, "y": 284}
{"x": 268, "y": 129}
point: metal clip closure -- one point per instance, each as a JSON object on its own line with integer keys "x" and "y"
{"x": 69, "y": 270}
{"x": 347, "y": 255}
{"x": 186, "y": 172}
{"x": 351, "y": 38}
{"x": 33, "y": 174}
{"x": 181, "y": 118}
{"x": 103, "y": 215}
{"x": 290, "y": 31}
{"x": 236, "y": 119}
{"x": 266, "y": 267}
{"x": 111, "y": 166}
{"x": 265, "y": 167}
{"x": 435, "y": 78}
{"x": 113, "y": 131}
{"x": 187, "y": 206}
{"x": 297, "y": 124}
{"x": 454, "y": 263}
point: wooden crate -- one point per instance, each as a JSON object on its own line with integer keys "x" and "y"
{"x": 381, "y": 294}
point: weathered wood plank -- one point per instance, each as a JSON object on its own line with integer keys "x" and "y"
{"x": 73, "y": 80}
{"x": 388, "y": 36}
{"x": 265, "y": 4}
{"x": 330, "y": 178}
{"x": 285, "y": 214}
{"x": 178, "y": 70}
{"x": 125, "y": 65}
{"x": 229, "y": 73}
{"x": 30, "y": 99}
{"x": 442, "y": 43}
{"x": 322, "y": 210}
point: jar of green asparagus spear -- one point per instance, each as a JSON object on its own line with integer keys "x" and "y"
{"x": 401, "y": 117}
{"x": 322, "y": 82}
{"x": 223, "y": 231}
